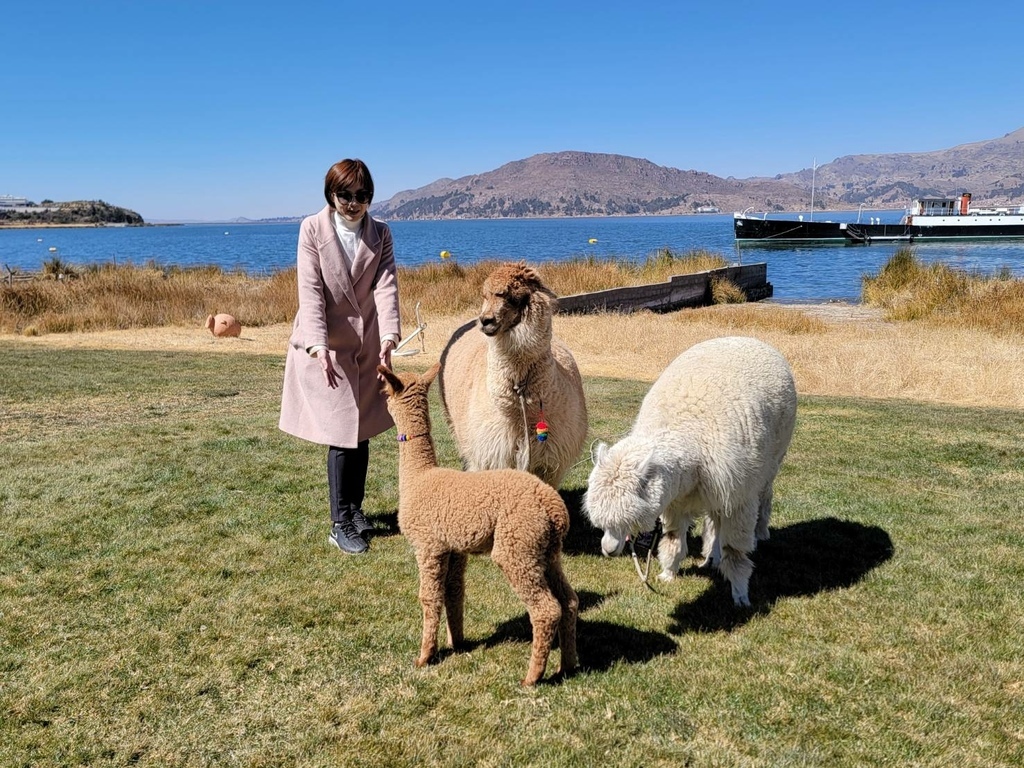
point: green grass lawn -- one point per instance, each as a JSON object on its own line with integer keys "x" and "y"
{"x": 168, "y": 596}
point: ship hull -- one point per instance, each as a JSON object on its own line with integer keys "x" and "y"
{"x": 751, "y": 230}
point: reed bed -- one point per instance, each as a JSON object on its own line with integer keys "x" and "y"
{"x": 908, "y": 289}
{"x": 121, "y": 296}
{"x": 124, "y": 296}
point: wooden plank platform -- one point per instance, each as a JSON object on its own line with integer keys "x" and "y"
{"x": 676, "y": 293}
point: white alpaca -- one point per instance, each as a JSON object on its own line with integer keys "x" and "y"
{"x": 511, "y": 383}
{"x": 708, "y": 441}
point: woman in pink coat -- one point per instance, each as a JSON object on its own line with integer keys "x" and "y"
{"x": 346, "y": 325}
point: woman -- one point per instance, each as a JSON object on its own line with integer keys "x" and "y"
{"x": 346, "y": 325}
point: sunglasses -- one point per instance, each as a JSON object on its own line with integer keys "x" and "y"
{"x": 362, "y": 196}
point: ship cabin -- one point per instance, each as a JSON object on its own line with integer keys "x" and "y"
{"x": 942, "y": 206}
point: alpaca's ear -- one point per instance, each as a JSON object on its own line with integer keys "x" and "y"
{"x": 428, "y": 377}
{"x": 535, "y": 284}
{"x": 600, "y": 451}
{"x": 647, "y": 466}
{"x": 531, "y": 278}
{"x": 392, "y": 384}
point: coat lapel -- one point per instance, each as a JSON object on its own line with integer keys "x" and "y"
{"x": 332, "y": 261}
{"x": 367, "y": 248}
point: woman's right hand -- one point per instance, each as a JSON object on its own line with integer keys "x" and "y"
{"x": 324, "y": 356}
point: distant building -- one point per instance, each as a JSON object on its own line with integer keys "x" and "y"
{"x": 708, "y": 209}
{"x": 9, "y": 201}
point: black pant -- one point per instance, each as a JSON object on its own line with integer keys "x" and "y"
{"x": 346, "y": 478}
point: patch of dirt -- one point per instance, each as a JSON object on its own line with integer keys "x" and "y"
{"x": 837, "y": 311}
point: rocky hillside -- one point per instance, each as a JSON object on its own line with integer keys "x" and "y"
{"x": 583, "y": 184}
{"x": 589, "y": 184}
{"x": 76, "y": 212}
{"x": 992, "y": 171}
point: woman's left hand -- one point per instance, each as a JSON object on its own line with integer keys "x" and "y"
{"x": 386, "y": 347}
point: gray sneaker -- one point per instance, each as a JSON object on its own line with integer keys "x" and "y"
{"x": 363, "y": 526}
{"x": 343, "y": 535}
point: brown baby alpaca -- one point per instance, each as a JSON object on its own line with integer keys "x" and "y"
{"x": 448, "y": 515}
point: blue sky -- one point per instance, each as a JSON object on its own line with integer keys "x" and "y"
{"x": 210, "y": 110}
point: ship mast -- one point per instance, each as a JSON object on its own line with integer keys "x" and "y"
{"x": 814, "y": 170}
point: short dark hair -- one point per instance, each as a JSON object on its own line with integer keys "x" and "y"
{"x": 347, "y": 173}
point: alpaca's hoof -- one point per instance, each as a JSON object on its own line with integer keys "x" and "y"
{"x": 741, "y": 601}
{"x": 666, "y": 576}
{"x": 422, "y": 661}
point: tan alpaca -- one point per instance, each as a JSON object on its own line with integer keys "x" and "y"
{"x": 448, "y": 515}
{"x": 511, "y": 390}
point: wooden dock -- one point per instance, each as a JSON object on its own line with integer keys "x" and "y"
{"x": 676, "y": 293}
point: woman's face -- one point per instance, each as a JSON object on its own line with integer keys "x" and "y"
{"x": 351, "y": 204}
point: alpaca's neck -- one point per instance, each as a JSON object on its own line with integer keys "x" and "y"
{"x": 415, "y": 445}
{"x": 677, "y": 458}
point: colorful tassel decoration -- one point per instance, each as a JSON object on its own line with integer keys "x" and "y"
{"x": 542, "y": 431}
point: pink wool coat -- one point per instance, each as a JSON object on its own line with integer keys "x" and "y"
{"x": 348, "y": 313}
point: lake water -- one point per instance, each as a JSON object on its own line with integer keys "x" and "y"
{"x": 810, "y": 273}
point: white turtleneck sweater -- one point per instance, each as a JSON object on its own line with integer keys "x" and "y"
{"x": 348, "y": 234}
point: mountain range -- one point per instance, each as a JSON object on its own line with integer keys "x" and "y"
{"x": 593, "y": 184}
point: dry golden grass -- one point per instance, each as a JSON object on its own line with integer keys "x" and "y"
{"x": 842, "y": 350}
{"x": 908, "y": 289}
{"x": 109, "y": 296}
{"x": 935, "y": 334}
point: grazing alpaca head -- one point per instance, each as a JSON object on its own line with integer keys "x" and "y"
{"x": 510, "y": 292}
{"x": 625, "y": 492}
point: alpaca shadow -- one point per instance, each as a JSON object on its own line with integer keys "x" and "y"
{"x": 583, "y": 538}
{"x": 798, "y": 560}
{"x": 384, "y": 525}
{"x": 600, "y": 644}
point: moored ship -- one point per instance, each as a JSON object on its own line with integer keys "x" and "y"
{"x": 929, "y": 218}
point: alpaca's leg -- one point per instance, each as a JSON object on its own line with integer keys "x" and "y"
{"x": 432, "y": 574}
{"x": 455, "y": 597}
{"x": 672, "y": 546}
{"x": 529, "y": 581}
{"x": 570, "y": 603}
{"x": 711, "y": 544}
{"x": 736, "y": 532}
{"x": 764, "y": 513}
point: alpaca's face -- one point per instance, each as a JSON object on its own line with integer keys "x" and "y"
{"x": 507, "y": 292}
{"x": 621, "y": 497}
{"x": 407, "y": 400}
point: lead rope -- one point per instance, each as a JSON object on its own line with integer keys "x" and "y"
{"x": 646, "y": 571}
{"x": 523, "y": 454}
